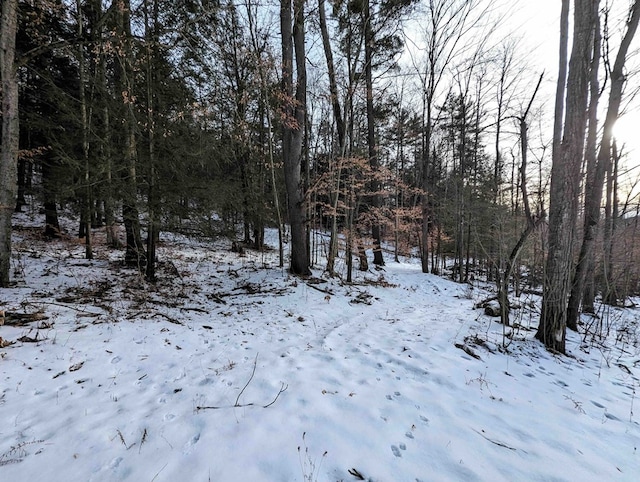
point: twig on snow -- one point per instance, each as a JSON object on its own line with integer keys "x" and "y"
{"x": 499, "y": 444}
{"x": 237, "y": 404}
{"x": 253, "y": 372}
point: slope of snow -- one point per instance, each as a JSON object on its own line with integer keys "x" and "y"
{"x": 229, "y": 369}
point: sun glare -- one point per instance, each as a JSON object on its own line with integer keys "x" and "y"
{"x": 627, "y": 132}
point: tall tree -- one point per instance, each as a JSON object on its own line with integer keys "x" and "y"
{"x": 9, "y": 148}
{"x": 598, "y": 169}
{"x": 135, "y": 254}
{"x": 85, "y": 223}
{"x": 566, "y": 181}
{"x": 446, "y": 25}
{"x": 294, "y": 117}
{"x": 376, "y": 201}
{"x": 151, "y": 27}
{"x": 586, "y": 258}
{"x": 341, "y": 133}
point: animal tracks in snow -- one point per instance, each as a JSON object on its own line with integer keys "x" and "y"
{"x": 188, "y": 447}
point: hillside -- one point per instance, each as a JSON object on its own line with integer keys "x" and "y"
{"x": 229, "y": 369}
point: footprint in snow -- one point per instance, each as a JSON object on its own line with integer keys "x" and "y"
{"x": 599, "y": 405}
{"x": 115, "y": 360}
{"x": 189, "y": 445}
{"x": 396, "y": 451}
{"x": 390, "y": 397}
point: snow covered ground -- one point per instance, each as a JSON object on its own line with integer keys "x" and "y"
{"x": 229, "y": 369}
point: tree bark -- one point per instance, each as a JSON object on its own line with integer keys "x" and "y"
{"x": 293, "y": 132}
{"x": 85, "y": 196}
{"x": 153, "y": 225}
{"x": 533, "y": 222}
{"x": 597, "y": 168}
{"x": 610, "y": 291}
{"x": 341, "y": 131}
{"x": 376, "y": 198}
{"x": 10, "y": 131}
{"x": 585, "y": 258}
{"x": 565, "y": 182}
{"x": 562, "y": 75}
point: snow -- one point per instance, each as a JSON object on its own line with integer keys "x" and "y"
{"x": 230, "y": 369}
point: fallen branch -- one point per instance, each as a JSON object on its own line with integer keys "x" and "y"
{"x": 283, "y": 388}
{"x": 81, "y": 310}
{"x": 11, "y": 318}
{"x": 169, "y": 319}
{"x": 189, "y": 308}
{"x": 253, "y": 372}
{"x": 215, "y": 297}
{"x": 468, "y": 350}
{"x": 326, "y": 291}
{"x": 237, "y": 404}
{"x": 499, "y": 444}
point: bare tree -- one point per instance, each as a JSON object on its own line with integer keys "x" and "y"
{"x": 294, "y": 113}
{"x": 565, "y": 181}
{"x": 533, "y": 220}
{"x": 135, "y": 255}
{"x": 341, "y": 132}
{"x": 447, "y": 23}
{"x": 597, "y": 170}
{"x": 85, "y": 223}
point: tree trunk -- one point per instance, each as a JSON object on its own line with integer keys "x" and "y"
{"x": 151, "y": 40}
{"x": 10, "y": 131}
{"x": 341, "y": 131}
{"x": 610, "y": 292}
{"x": 597, "y": 168}
{"x": 51, "y": 224}
{"x": 295, "y": 117}
{"x": 562, "y": 75}
{"x": 22, "y": 182}
{"x": 585, "y": 258}
{"x": 86, "y": 201}
{"x": 134, "y": 254}
{"x": 532, "y": 221}
{"x": 424, "y": 204}
{"x": 376, "y": 198}
{"x": 565, "y": 182}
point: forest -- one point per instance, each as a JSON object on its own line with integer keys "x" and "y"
{"x": 356, "y": 129}
{"x": 323, "y": 240}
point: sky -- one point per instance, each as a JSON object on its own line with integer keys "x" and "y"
{"x": 537, "y": 22}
